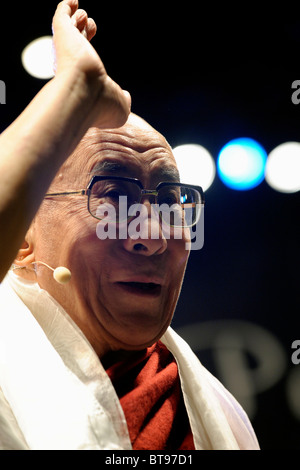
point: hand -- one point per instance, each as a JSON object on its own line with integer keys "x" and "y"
{"x": 72, "y": 31}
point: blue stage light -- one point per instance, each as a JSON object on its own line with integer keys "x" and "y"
{"x": 241, "y": 164}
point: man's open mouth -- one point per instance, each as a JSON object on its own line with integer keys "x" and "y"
{"x": 142, "y": 288}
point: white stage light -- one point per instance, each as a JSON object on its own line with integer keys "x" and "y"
{"x": 37, "y": 58}
{"x": 283, "y": 168}
{"x": 195, "y": 165}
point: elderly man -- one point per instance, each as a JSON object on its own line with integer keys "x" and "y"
{"x": 87, "y": 357}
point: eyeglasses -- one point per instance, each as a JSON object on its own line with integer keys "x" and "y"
{"x": 178, "y": 205}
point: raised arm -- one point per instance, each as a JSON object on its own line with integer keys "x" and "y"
{"x": 36, "y": 144}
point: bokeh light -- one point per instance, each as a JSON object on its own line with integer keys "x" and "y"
{"x": 241, "y": 164}
{"x": 195, "y": 165}
{"x": 283, "y": 168}
{"x": 37, "y": 58}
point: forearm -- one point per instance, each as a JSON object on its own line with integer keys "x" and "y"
{"x": 32, "y": 150}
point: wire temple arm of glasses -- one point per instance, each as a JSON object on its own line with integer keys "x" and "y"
{"x": 82, "y": 192}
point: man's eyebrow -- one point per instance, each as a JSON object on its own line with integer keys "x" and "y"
{"x": 168, "y": 173}
{"x": 162, "y": 174}
{"x": 110, "y": 167}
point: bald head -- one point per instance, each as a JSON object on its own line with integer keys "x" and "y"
{"x": 136, "y": 121}
{"x": 135, "y": 136}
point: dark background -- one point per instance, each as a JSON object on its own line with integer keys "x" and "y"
{"x": 208, "y": 75}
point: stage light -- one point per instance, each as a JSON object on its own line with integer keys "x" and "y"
{"x": 241, "y": 164}
{"x": 283, "y": 168}
{"x": 195, "y": 165}
{"x": 37, "y": 58}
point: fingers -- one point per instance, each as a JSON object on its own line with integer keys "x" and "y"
{"x": 84, "y": 24}
{"x": 91, "y": 29}
{"x": 66, "y": 7}
{"x": 63, "y": 13}
{"x": 79, "y": 18}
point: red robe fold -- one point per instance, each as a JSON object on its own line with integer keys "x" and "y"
{"x": 148, "y": 386}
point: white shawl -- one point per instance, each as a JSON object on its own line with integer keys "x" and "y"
{"x": 55, "y": 394}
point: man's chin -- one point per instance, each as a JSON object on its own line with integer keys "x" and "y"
{"x": 138, "y": 328}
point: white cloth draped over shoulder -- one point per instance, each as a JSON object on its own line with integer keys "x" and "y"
{"x": 55, "y": 394}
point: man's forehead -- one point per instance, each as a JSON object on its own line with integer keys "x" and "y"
{"x": 136, "y": 133}
{"x": 125, "y": 151}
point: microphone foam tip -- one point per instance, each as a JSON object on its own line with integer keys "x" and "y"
{"x": 62, "y": 275}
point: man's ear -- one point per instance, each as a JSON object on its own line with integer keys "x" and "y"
{"x": 25, "y": 255}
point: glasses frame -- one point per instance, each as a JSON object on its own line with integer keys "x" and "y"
{"x": 144, "y": 192}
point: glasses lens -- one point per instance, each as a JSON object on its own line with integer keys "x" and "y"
{"x": 179, "y": 205}
{"x": 107, "y": 195}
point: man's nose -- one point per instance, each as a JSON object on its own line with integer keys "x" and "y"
{"x": 145, "y": 235}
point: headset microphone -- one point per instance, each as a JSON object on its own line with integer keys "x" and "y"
{"x": 61, "y": 274}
